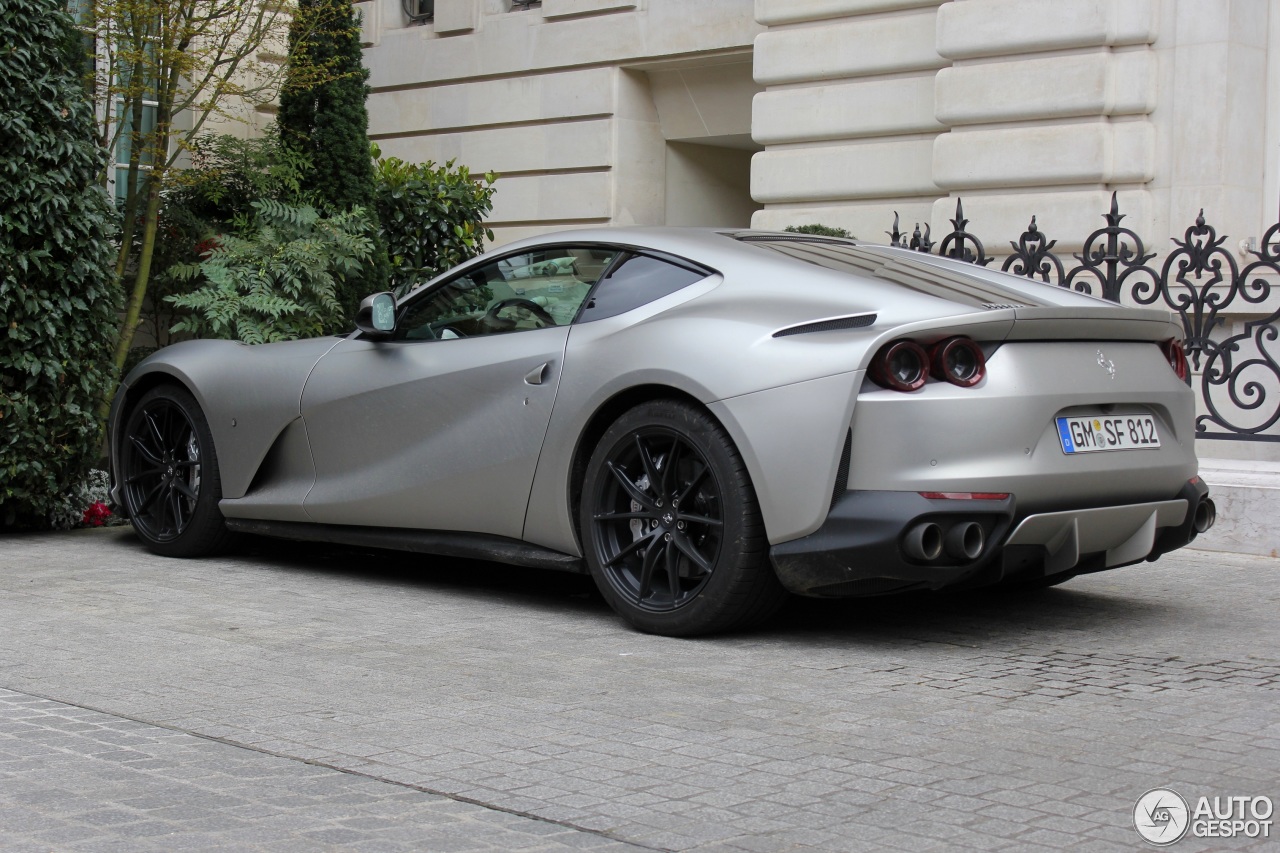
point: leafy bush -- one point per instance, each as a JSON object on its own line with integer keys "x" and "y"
{"x": 227, "y": 174}
{"x": 83, "y": 504}
{"x": 57, "y": 291}
{"x": 278, "y": 279}
{"x": 821, "y": 230}
{"x": 432, "y": 217}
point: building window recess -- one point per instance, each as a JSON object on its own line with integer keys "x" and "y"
{"x": 419, "y": 11}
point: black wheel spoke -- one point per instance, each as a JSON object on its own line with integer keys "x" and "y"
{"x": 154, "y": 428}
{"x": 673, "y": 569}
{"x": 693, "y": 483}
{"x": 646, "y": 569}
{"x": 631, "y": 488}
{"x": 628, "y": 549}
{"x": 622, "y": 516}
{"x": 145, "y": 451}
{"x": 650, "y": 469}
{"x": 175, "y": 506}
{"x": 155, "y": 471}
{"x": 162, "y": 509}
{"x": 145, "y": 504}
{"x": 701, "y": 519}
{"x": 186, "y": 490}
{"x": 669, "y": 467}
{"x": 686, "y": 547}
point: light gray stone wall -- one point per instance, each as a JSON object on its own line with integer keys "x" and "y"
{"x": 573, "y": 102}
{"x": 1019, "y": 107}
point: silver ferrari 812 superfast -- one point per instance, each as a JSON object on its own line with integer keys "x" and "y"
{"x": 704, "y": 420}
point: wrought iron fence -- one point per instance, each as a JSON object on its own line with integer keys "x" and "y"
{"x": 1239, "y": 374}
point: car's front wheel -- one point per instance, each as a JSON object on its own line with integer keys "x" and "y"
{"x": 171, "y": 482}
{"x": 671, "y": 525}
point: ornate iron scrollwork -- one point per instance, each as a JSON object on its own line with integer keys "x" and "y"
{"x": 953, "y": 245}
{"x": 917, "y": 243}
{"x": 1033, "y": 256}
{"x": 1244, "y": 366}
{"x": 1199, "y": 280}
{"x": 1189, "y": 283}
{"x": 1112, "y": 263}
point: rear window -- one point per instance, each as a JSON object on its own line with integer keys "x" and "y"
{"x": 953, "y": 281}
{"x": 636, "y": 280}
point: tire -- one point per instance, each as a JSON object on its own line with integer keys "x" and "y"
{"x": 671, "y": 526}
{"x": 171, "y": 485}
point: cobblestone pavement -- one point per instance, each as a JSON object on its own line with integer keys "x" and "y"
{"x": 310, "y": 698}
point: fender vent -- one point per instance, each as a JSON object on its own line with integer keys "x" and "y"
{"x": 995, "y": 306}
{"x": 856, "y": 321}
{"x": 842, "y": 473}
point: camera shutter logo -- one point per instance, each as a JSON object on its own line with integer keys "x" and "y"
{"x": 1161, "y": 816}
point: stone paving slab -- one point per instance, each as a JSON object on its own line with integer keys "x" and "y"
{"x": 76, "y": 779}
{"x": 972, "y": 722}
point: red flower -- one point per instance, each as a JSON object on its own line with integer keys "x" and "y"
{"x": 96, "y": 515}
{"x": 206, "y": 246}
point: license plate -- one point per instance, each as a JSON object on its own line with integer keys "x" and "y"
{"x": 1108, "y": 432}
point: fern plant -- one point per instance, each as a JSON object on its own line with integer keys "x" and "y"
{"x": 278, "y": 278}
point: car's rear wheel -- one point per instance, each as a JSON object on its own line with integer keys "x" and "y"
{"x": 671, "y": 525}
{"x": 171, "y": 484}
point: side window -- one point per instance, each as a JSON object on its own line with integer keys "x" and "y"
{"x": 516, "y": 293}
{"x": 637, "y": 280}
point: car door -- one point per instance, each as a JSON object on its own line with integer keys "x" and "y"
{"x": 440, "y": 428}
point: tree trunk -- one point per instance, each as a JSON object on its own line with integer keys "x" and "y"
{"x": 133, "y": 309}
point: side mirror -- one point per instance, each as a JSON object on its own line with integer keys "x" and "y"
{"x": 377, "y": 315}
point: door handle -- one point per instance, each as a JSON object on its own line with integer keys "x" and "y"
{"x": 539, "y": 373}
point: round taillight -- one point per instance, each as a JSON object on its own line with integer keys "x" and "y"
{"x": 902, "y": 366}
{"x": 959, "y": 361}
{"x": 1177, "y": 357}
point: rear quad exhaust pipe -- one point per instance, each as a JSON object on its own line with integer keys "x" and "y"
{"x": 923, "y": 542}
{"x": 1206, "y": 515}
{"x": 964, "y": 541}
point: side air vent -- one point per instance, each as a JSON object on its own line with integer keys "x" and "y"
{"x": 854, "y": 321}
{"x": 842, "y": 473}
{"x": 996, "y": 306}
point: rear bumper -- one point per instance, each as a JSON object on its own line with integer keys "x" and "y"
{"x": 862, "y": 548}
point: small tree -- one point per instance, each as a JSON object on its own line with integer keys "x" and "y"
{"x": 323, "y": 117}
{"x": 57, "y": 293}
{"x": 157, "y": 61}
{"x": 432, "y": 217}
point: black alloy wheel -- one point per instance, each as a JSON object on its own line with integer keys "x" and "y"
{"x": 659, "y": 520}
{"x": 171, "y": 486}
{"x": 672, "y": 527}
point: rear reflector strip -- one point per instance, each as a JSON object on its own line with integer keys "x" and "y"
{"x": 965, "y": 496}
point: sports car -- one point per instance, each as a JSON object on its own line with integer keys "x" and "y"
{"x": 704, "y": 420}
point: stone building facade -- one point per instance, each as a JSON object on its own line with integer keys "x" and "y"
{"x": 779, "y": 112}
